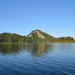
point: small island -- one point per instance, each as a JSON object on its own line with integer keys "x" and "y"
{"x": 34, "y": 36}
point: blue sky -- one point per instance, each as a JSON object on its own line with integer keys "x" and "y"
{"x": 56, "y": 17}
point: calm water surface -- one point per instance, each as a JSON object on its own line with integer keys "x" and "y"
{"x": 37, "y": 59}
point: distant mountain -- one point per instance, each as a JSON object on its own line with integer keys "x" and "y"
{"x": 37, "y": 35}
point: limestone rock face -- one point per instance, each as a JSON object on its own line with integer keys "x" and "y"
{"x": 39, "y": 35}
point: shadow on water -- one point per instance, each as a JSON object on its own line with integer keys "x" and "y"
{"x": 35, "y": 49}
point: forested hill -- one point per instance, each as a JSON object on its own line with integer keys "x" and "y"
{"x": 11, "y": 38}
{"x": 37, "y": 35}
{"x": 34, "y": 36}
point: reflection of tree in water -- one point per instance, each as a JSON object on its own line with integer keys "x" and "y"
{"x": 11, "y": 48}
{"x": 37, "y": 49}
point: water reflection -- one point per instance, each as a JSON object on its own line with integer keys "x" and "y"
{"x": 56, "y": 59}
{"x": 11, "y": 48}
{"x": 38, "y": 48}
{"x": 35, "y": 49}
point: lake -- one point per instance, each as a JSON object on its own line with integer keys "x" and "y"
{"x": 37, "y": 59}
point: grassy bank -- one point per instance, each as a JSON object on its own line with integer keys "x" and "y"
{"x": 39, "y": 42}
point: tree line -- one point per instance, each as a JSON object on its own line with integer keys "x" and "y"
{"x": 12, "y": 38}
{"x": 16, "y": 38}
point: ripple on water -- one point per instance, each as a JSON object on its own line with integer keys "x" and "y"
{"x": 55, "y": 62}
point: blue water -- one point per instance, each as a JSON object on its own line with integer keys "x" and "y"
{"x": 37, "y": 59}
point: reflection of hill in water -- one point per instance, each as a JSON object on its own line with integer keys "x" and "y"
{"x": 38, "y": 48}
{"x": 35, "y": 49}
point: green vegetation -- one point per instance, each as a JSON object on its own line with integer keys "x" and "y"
{"x": 39, "y": 36}
{"x": 8, "y": 38}
{"x": 64, "y": 40}
{"x": 34, "y": 36}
